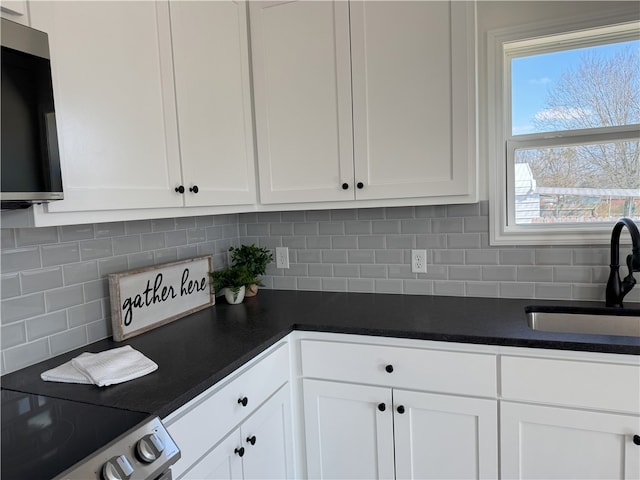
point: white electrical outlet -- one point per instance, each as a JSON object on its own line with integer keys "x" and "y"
{"x": 419, "y": 261}
{"x": 282, "y": 257}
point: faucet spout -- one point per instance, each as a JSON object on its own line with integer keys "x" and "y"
{"x": 616, "y": 288}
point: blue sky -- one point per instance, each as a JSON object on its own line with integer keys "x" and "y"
{"x": 533, "y": 76}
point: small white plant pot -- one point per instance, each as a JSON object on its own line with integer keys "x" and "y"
{"x": 234, "y": 300}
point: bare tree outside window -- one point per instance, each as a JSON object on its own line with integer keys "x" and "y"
{"x": 594, "y": 181}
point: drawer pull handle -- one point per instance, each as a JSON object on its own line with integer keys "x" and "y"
{"x": 243, "y": 401}
{"x": 382, "y": 407}
{"x": 345, "y": 186}
{"x": 400, "y": 409}
{"x": 360, "y": 185}
{"x": 251, "y": 439}
{"x": 180, "y": 189}
{"x": 194, "y": 189}
{"x": 389, "y": 368}
{"x": 239, "y": 451}
{"x": 636, "y": 439}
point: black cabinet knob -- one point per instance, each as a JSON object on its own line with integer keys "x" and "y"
{"x": 389, "y": 368}
{"x": 400, "y": 409}
{"x": 636, "y": 439}
{"x": 360, "y": 185}
{"x": 382, "y": 407}
{"x": 345, "y": 186}
{"x": 251, "y": 439}
{"x": 180, "y": 189}
{"x": 243, "y": 401}
{"x": 194, "y": 189}
{"x": 239, "y": 451}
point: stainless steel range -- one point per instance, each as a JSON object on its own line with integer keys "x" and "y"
{"x": 45, "y": 437}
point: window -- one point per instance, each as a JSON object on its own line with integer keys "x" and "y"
{"x": 565, "y": 102}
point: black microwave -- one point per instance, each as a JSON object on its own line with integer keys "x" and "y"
{"x": 29, "y": 142}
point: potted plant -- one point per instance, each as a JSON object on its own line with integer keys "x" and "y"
{"x": 232, "y": 281}
{"x": 255, "y": 259}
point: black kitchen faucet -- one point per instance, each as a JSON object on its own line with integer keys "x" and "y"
{"x": 616, "y": 288}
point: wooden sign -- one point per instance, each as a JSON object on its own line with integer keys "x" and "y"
{"x": 144, "y": 299}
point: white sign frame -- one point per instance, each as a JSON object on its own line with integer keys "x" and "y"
{"x": 147, "y": 298}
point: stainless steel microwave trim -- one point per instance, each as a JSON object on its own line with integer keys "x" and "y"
{"x": 24, "y": 39}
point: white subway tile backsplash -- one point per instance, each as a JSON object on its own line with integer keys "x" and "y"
{"x": 534, "y": 274}
{"x": 68, "y": 340}
{"x": 70, "y": 233}
{"x": 163, "y": 224}
{"x": 18, "y": 259}
{"x": 87, "y": 313}
{"x": 370, "y": 213}
{"x": 127, "y": 244}
{"x": 12, "y": 335}
{"x": 19, "y": 308}
{"x": 388, "y": 286}
{"x": 361, "y": 285}
{"x": 40, "y": 280}
{"x": 310, "y": 283}
{"x": 7, "y": 238}
{"x": 357, "y": 250}
{"x": 449, "y": 288}
{"x": 137, "y": 227}
{"x": 346, "y": 270}
{"x": 463, "y": 240}
{"x": 400, "y": 241}
{"x": 46, "y": 325}
{"x": 385, "y": 226}
{"x": 417, "y": 287}
{"x": 64, "y": 298}
{"x": 10, "y": 285}
{"x": 36, "y": 236}
{"x": 112, "y": 229}
{"x": 26, "y": 354}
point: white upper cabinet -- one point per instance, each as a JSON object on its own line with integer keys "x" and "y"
{"x": 15, "y": 10}
{"x": 211, "y": 66}
{"x": 113, "y": 87}
{"x": 365, "y": 100}
{"x": 301, "y": 75}
{"x": 413, "y": 98}
{"x": 150, "y": 97}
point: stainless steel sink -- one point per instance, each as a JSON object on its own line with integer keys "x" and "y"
{"x": 595, "y": 321}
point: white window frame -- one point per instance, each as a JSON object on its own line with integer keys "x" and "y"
{"x": 501, "y": 144}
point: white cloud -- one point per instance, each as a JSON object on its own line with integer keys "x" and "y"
{"x": 561, "y": 113}
{"x": 540, "y": 81}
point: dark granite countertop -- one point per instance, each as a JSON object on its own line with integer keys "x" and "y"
{"x": 195, "y": 352}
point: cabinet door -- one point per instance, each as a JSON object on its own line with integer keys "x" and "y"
{"x": 267, "y": 439}
{"x": 213, "y": 98}
{"x": 413, "y": 98}
{"x": 559, "y": 443}
{"x": 15, "y": 10}
{"x": 441, "y": 436}
{"x": 224, "y": 462}
{"x": 347, "y": 434}
{"x": 113, "y": 91}
{"x": 302, "y": 86}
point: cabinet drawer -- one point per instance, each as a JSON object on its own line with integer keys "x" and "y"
{"x": 596, "y": 385}
{"x": 412, "y": 368}
{"x": 208, "y": 418}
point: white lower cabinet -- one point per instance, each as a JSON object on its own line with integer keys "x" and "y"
{"x": 212, "y": 429}
{"x": 260, "y": 448}
{"x": 543, "y": 442}
{"x": 356, "y": 432}
{"x": 569, "y": 418}
{"x": 365, "y": 419}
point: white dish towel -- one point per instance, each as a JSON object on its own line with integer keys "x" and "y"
{"x": 105, "y": 368}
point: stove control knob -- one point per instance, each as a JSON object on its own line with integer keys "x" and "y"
{"x": 149, "y": 448}
{"x": 117, "y": 468}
